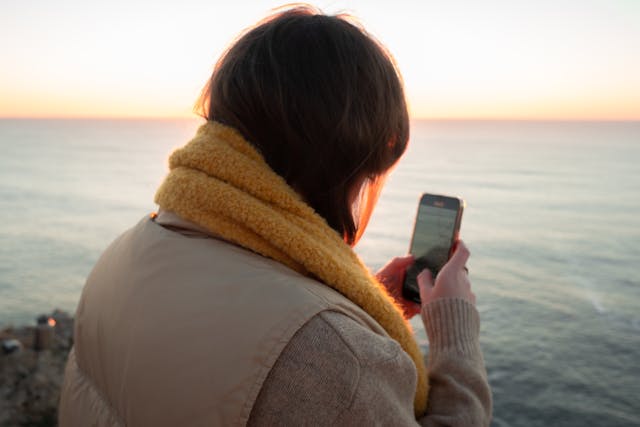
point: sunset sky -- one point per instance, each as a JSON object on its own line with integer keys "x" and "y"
{"x": 542, "y": 59}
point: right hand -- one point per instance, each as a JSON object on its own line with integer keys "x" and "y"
{"x": 451, "y": 282}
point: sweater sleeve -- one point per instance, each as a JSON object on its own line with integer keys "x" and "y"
{"x": 335, "y": 371}
{"x": 459, "y": 393}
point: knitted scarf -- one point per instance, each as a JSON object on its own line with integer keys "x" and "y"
{"x": 220, "y": 182}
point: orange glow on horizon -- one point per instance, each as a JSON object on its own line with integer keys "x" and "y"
{"x": 471, "y": 60}
{"x": 576, "y": 108}
{"x": 91, "y": 105}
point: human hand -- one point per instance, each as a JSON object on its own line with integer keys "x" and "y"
{"x": 452, "y": 280}
{"x": 392, "y": 277}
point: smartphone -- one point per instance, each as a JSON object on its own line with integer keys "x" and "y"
{"x": 435, "y": 232}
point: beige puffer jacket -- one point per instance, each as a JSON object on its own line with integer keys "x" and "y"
{"x": 177, "y": 328}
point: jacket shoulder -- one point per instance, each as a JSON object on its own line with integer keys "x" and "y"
{"x": 328, "y": 369}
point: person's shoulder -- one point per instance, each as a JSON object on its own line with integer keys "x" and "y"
{"x": 367, "y": 346}
{"x": 325, "y": 370}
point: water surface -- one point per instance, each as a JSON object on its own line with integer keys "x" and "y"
{"x": 551, "y": 221}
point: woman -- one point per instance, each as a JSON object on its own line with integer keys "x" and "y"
{"x": 241, "y": 301}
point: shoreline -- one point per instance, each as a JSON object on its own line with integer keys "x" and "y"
{"x": 32, "y": 361}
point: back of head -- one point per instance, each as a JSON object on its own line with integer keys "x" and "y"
{"x": 320, "y": 99}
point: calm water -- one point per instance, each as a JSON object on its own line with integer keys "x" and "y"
{"x": 551, "y": 219}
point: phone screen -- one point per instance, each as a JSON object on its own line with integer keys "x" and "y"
{"x": 436, "y": 226}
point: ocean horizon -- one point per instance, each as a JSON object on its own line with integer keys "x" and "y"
{"x": 551, "y": 221}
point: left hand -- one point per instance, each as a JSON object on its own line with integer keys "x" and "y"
{"x": 392, "y": 277}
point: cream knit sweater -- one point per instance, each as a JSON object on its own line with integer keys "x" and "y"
{"x": 335, "y": 372}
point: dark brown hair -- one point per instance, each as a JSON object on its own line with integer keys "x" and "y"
{"x": 322, "y": 101}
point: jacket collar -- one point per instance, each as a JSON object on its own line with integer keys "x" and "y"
{"x": 173, "y": 222}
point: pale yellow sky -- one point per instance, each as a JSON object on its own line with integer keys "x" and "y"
{"x": 544, "y": 59}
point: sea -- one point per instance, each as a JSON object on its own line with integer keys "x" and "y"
{"x": 552, "y": 220}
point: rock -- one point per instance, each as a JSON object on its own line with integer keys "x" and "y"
{"x": 30, "y": 380}
{"x": 11, "y": 345}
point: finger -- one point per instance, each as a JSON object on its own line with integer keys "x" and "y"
{"x": 425, "y": 283}
{"x": 460, "y": 256}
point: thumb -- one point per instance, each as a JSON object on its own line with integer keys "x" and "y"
{"x": 460, "y": 256}
{"x": 425, "y": 283}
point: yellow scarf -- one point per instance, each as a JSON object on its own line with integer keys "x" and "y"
{"x": 220, "y": 182}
